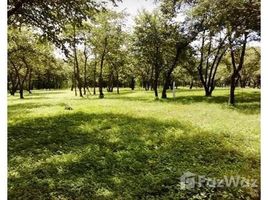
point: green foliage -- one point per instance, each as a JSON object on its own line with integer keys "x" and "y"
{"x": 32, "y": 63}
{"x": 250, "y": 73}
{"x": 50, "y": 16}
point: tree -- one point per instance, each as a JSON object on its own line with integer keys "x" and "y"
{"x": 186, "y": 72}
{"x": 181, "y": 34}
{"x": 211, "y": 51}
{"x": 117, "y": 61}
{"x": 106, "y": 39}
{"x": 72, "y": 39}
{"x": 212, "y": 40}
{"x": 148, "y": 44}
{"x": 26, "y": 57}
{"x": 249, "y": 74}
{"x": 241, "y": 20}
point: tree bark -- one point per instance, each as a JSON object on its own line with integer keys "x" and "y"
{"x": 76, "y": 64}
{"x": 191, "y": 84}
{"x": 236, "y": 69}
{"x": 94, "y": 77}
{"x": 167, "y": 78}
{"x": 156, "y": 83}
{"x": 85, "y": 78}
{"x": 117, "y": 82}
{"x": 21, "y": 93}
{"x": 30, "y": 81}
{"x": 180, "y": 46}
{"x": 232, "y": 91}
{"x": 132, "y": 86}
{"x": 85, "y": 68}
{"x": 208, "y": 79}
{"x": 101, "y": 95}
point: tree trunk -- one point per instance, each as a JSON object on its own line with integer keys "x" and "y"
{"x": 94, "y": 78}
{"x": 191, "y": 84}
{"x": 79, "y": 82}
{"x": 166, "y": 85}
{"x": 117, "y": 90}
{"x": 156, "y": 83}
{"x": 76, "y": 64}
{"x": 72, "y": 86}
{"x": 12, "y": 92}
{"x": 151, "y": 79}
{"x": 132, "y": 85}
{"x": 85, "y": 78}
{"x": 236, "y": 69}
{"x": 101, "y": 95}
{"x": 155, "y": 90}
{"x": 147, "y": 85}
{"x": 30, "y": 81}
{"x": 208, "y": 92}
{"x": 232, "y": 91}
{"x": 74, "y": 83}
{"x": 21, "y": 93}
{"x": 110, "y": 83}
{"x": 117, "y": 82}
{"x": 85, "y": 68}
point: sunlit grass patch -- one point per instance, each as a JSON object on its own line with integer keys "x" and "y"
{"x": 129, "y": 146}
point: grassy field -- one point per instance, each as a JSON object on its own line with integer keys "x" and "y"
{"x": 130, "y": 146}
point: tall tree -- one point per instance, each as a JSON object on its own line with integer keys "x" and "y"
{"x": 241, "y": 20}
{"x": 148, "y": 42}
{"x": 107, "y": 35}
{"x": 181, "y": 33}
{"x": 212, "y": 50}
{"x": 26, "y": 57}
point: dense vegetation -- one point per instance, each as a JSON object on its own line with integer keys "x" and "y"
{"x": 95, "y": 118}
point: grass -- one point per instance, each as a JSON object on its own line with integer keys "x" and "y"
{"x": 130, "y": 146}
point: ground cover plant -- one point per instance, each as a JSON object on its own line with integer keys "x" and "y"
{"x": 131, "y": 146}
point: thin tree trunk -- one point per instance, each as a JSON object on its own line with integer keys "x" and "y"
{"x": 85, "y": 68}
{"x": 30, "y": 81}
{"x": 79, "y": 82}
{"x": 236, "y": 69}
{"x": 117, "y": 82}
{"x": 101, "y": 95}
{"x": 21, "y": 93}
{"x": 94, "y": 78}
{"x": 85, "y": 78}
{"x": 72, "y": 86}
{"x": 208, "y": 92}
{"x": 21, "y": 80}
{"x": 232, "y": 91}
{"x": 74, "y": 81}
{"x": 156, "y": 83}
{"x": 191, "y": 84}
{"x": 132, "y": 83}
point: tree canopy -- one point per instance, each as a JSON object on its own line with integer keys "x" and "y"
{"x": 183, "y": 37}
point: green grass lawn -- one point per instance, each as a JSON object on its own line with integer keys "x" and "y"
{"x": 130, "y": 146}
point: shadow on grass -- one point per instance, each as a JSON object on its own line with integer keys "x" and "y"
{"x": 107, "y": 156}
{"x": 219, "y": 99}
{"x": 247, "y": 103}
